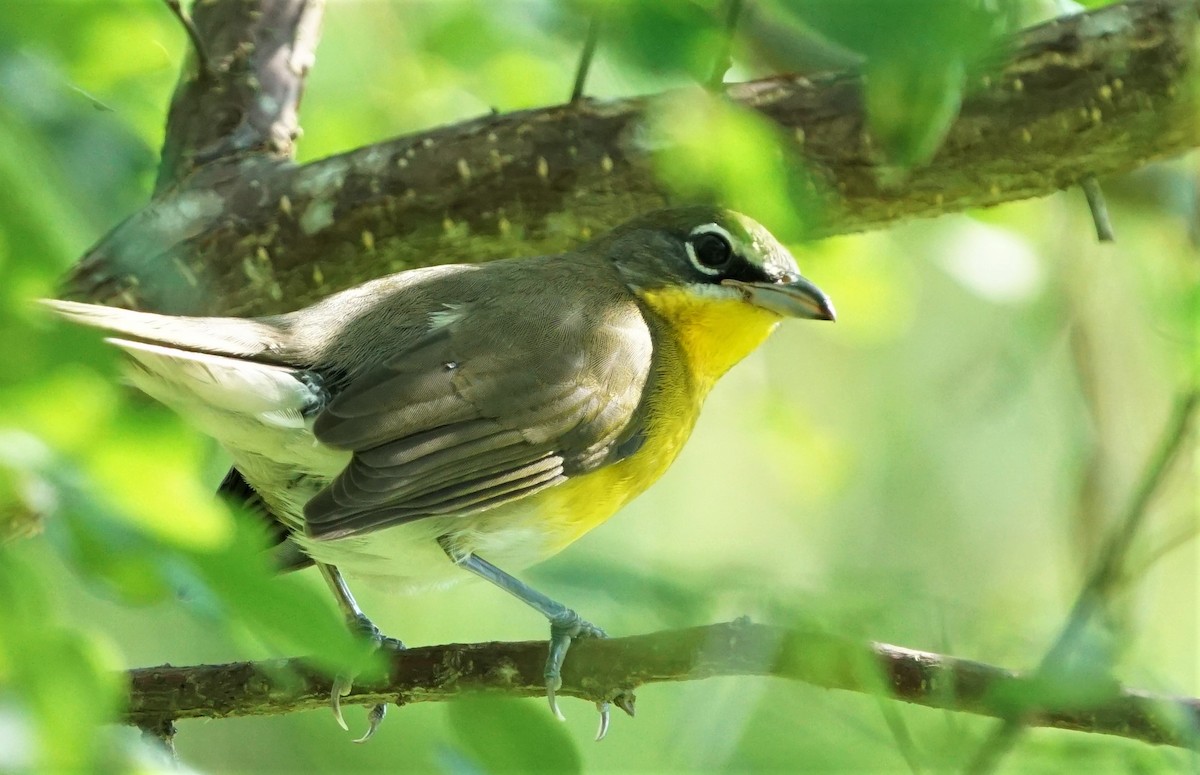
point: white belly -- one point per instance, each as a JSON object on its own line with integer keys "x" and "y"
{"x": 408, "y": 558}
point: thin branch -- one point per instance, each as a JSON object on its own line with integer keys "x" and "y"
{"x": 724, "y": 59}
{"x": 601, "y": 669}
{"x": 202, "y": 61}
{"x": 1099, "y": 207}
{"x": 1105, "y": 574}
{"x": 585, "y": 57}
{"x": 1101, "y": 93}
{"x": 1108, "y": 569}
{"x": 1177, "y": 540}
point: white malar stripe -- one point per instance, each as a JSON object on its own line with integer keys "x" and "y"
{"x": 715, "y": 291}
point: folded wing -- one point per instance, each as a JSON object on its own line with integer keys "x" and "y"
{"x": 472, "y": 417}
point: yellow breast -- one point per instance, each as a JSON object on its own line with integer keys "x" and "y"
{"x": 698, "y": 340}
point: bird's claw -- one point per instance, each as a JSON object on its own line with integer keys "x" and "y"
{"x": 625, "y": 701}
{"x": 341, "y": 687}
{"x": 374, "y": 719}
{"x": 342, "y": 684}
{"x": 553, "y": 700}
{"x": 605, "y": 718}
{"x": 564, "y": 629}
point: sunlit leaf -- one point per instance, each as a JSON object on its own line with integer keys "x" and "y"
{"x": 674, "y": 37}
{"x": 708, "y": 149}
{"x": 149, "y": 469}
{"x": 65, "y": 676}
{"x": 279, "y": 609}
{"x": 918, "y": 55}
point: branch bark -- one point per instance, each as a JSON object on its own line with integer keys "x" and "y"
{"x": 250, "y": 233}
{"x": 601, "y": 670}
{"x": 246, "y": 96}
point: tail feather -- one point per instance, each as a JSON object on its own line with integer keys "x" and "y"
{"x": 225, "y": 375}
{"x": 238, "y": 337}
{"x": 275, "y": 395}
{"x": 231, "y": 379}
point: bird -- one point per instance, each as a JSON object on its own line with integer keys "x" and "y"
{"x": 463, "y": 418}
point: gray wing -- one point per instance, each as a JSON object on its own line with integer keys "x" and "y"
{"x": 473, "y": 415}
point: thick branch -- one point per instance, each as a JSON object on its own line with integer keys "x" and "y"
{"x": 602, "y": 669}
{"x": 258, "y": 53}
{"x": 1096, "y": 93}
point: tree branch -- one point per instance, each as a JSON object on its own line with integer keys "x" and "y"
{"x": 1091, "y": 94}
{"x": 247, "y": 96}
{"x": 603, "y": 669}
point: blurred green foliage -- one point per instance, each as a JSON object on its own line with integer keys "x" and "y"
{"x": 918, "y": 54}
{"x": 936, "y": 470}
{"x": 715, "y": 151}
{"x": 499, "y": 735}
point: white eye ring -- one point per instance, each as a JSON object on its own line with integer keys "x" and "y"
{"x": 708, "y": 228}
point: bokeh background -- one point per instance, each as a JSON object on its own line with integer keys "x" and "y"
{"x": 937, "y": 470}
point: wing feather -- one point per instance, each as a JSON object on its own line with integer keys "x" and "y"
{"x": 473, "y": 415}
{"x": 477, "y": 500}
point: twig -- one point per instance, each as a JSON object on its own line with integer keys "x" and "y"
{"x": 1108, "y": 569}
{"x": 724, "y": 60}
{"x": 1099, "y": 207}
{"x": 585, "y": 58}
{"x": 602, "y": 669}
{"x": 193, "y": 34}
{"x": 1181, "y": 538}
{"x": 903, "y": 738}
{"x": 1103, "y": 576}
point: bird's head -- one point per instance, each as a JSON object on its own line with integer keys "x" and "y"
{"x": 714, "y": 254}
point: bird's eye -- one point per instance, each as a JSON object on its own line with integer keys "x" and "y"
{"x": 710, "y": 251}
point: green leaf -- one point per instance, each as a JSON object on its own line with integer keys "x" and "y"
{"x": 66, "y": 679}
{"x": 918, "y": 55}
{"x": 148, "y": 465}
{"x": 911, "y": 106}
{"x": 663, "y": 38}
{"x": 711, "y": 150}
{"x": 232, "y": 582}
{"x": 281, "y": 610}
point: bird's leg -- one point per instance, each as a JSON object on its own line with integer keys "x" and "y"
{"x": 359, "y": 623}
{"x": 355, "y": 618}
{"x": 565, "y": 624}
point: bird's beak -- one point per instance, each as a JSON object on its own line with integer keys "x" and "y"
{"x": 797, "y": 298}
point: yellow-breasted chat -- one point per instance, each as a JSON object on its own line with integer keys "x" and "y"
{"x": 472, "y": 417}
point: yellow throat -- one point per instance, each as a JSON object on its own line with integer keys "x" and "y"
{"x": 704, "y": 337}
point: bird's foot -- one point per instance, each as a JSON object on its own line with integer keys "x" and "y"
{"x": 342, "y": 684}
{"x": 374, "y": 718}
{"x": 564, "y": 628}
{"x": 623, "y": 700}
